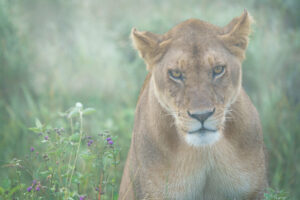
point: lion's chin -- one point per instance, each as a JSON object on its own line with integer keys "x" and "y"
{"x": 202, "y": 139}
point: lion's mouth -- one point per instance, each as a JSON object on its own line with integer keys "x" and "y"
{"x": 202, "y": 130}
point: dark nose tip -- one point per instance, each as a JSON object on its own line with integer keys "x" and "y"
{"x": 201, "y": 116}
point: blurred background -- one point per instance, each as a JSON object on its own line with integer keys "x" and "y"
{"x": 55, "y": 53}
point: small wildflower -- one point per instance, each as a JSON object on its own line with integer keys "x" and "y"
{"x": 79, "y": 105}
{"x": 33, "y": 182}
{"x": 32, "y": 149}
{"x": 110, "y": 142}
{"x": 37, "y": 188}
{"x": 82, "y": 198}
{"x": 46, "y": 137}
{"x": 58, "y": 131}
{"x": 90, "y": 142}
{"x": 29, "y": 189}
{"x": 108, "y": 139}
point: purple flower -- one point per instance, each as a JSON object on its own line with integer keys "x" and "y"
{"x": 90, "y": 142}
{"x": 110, "y": 142}
{"x": 32, "y": 149}
{"x": 46, "y": 137}
{"x": 33, "y": 182}
{"x": 82, "y": 198}
{"x": 38, "y": 188}
{"x": 29, "y": 189}
{"x": 108, "y": 139}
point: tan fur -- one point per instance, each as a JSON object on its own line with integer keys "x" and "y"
{"x": 165, "y": 160}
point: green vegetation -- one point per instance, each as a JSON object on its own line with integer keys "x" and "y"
{"x": 55, "y": 53}
{"x": 275, "y": 195}
{"x": 66, "y": 163}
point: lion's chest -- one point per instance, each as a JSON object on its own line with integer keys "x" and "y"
{"x": 206, "y": 180}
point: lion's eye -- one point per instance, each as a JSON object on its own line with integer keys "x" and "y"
{"x": 175, "y": 74}
{"x": 218, "y": 70}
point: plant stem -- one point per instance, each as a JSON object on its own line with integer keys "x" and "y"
{"x": 77, "y": 152}
{"x": 99, "y": 194}
{"x": 71, "y": 121}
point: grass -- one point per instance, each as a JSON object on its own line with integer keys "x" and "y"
{"x": 70, "y": 163}
{"x": 275, "y": 195}
{"x": 65, "y": 163}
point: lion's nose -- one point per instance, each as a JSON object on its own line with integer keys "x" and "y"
{"x": 200, "y": 115}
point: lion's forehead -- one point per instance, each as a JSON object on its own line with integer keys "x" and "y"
{"x": 183, "y": 59}
{"x": 194, "y": 29}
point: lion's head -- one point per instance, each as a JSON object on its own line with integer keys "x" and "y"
{"x": 196, "y": 73}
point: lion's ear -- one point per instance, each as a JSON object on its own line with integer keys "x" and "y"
{"x": 236, "y": 34}
{"x": 150, "y": 46}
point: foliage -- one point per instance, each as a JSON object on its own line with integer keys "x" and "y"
{"x": 275, "y": 195}
{"x": 66, "y": 163}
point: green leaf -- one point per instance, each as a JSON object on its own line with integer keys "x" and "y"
{"x": 73, "y": 112}
{"x": 75, "y": 137}
{"x": 15, "y": 189}
{"x": 1, "y": 191}
{"x": 44, "y": 172}
{"x": 88, "y": 111}
{"x": 38, "y": 124}
{"x": 34, "y": 129}
{"x": 62, "y": 114}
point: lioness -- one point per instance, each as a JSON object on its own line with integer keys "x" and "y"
{"x": 196, "y": 133}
